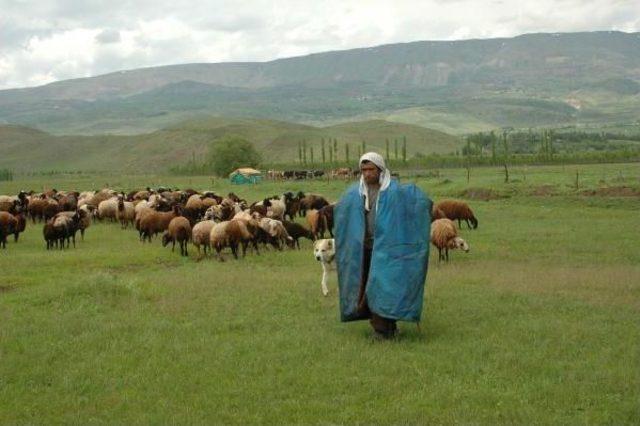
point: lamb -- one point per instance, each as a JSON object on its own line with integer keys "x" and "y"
{"x": 296, "y": 231}
{"x": 200, "y": 235}
{"x": 8, "y": 225}
{"x": 444, "y": 236}
{"x": 457, "y": 210}
{"x": 179, "y": 230}
{"x": 154, "y": 222}
{"x": 125, "y": 212}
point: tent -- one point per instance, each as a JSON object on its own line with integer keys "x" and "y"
{"x": 245, "y": 175}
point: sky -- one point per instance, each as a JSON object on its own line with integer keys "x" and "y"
{"x": 43, "y": 41}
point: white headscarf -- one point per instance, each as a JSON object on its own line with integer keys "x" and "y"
{"x": 385, "y": 175}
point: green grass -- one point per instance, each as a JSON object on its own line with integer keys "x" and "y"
{"x": 539, "y": 323}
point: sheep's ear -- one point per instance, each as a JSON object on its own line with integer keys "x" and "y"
{"x": 330, "y": 243}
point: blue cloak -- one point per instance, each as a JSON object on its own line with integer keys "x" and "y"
{"x": 395, "y": 286}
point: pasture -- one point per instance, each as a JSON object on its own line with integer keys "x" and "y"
{"x": 538, "y": 323}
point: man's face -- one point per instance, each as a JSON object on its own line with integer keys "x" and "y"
{"x": 370, "y": 173}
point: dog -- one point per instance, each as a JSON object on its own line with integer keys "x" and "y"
{"x": 325, "y": 252}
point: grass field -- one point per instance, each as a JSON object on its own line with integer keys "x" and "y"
{"x": 538, "y": 324}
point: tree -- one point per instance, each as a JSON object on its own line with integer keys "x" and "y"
{"x": 323, "y": 157}
{"x": 395, "y": 148}
{"x": 232, "y": 152}
{"x": 304, "y": 151}
{"x": 346, "y": 152}
{"x": 404, "y": 149}
{"x": 386, "y": 141}
{"x": 311, "y": 152}
{"x": 335, "y": 149}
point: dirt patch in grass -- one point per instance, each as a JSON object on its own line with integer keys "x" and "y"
{"x": 483, "y": 194}
{"x": 612, "y": 191}
{"x": 544, "y": 191}
{"x": 7, "y": 288}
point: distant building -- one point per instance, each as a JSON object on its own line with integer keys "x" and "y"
{"x": 245, "y": 175}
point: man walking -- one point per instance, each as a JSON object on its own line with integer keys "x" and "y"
{"x": 382, "y": 248}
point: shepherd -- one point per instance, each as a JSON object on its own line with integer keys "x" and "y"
{"x": 381, "y": 231}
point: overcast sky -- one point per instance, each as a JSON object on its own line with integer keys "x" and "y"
{"x": 48, "y": 40}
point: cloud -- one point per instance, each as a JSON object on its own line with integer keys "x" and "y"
{"x": 50, "y": 40}
{"x": 108, "y": 36}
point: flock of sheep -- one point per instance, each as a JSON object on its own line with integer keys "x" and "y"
{"x": 207, "y": 220}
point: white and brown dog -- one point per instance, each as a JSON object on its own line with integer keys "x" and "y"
{"x": 325, "y": 252}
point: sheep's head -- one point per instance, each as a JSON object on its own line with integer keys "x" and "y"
{"x": 461, "y": 244}
{"x": 166, "y": 239}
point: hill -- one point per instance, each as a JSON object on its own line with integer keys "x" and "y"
{"x": 25, "y": 149}
{"x": 456, "y": 86}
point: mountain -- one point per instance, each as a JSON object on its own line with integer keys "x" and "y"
{"x": 26, "y": 149}
{"x": 455, "y": 86}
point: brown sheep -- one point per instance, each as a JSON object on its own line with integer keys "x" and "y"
{"x": 229, "y": 234}
{"x": 8, "y": 225}
{"x": 155, "y": 222}
{"x": 325, "y": 220}
{"x": 457, "y": 210}
{"x": 311, "y": 201}
{"x": 444, "y": 236}
{"x": 296, "y": 231}
{"x": 312, "y": 221}
{"x": 179, "y": 230}
{"x": 20, "y": 226}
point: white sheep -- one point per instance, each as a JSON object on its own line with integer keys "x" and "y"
{"x": 444, "y": 235}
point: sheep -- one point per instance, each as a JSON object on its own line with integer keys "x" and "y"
{"x": 277, "y": 209}
{"x": 296, "y": 231}
{"x": 325, "y": 220}
{"x": 194, "y": 208}
{"x": 437, "y": 214}
{"x": 311, "y": 201}
{"x": 228, "y": 233}
{"x": 50, "y": 235}
{"x": 8, "y": 203}
{"x": 20, "y": 225}
{"x": 50, "y": 209}
{"x": 457, "y": 210}
{"x": 8, "y": 225}
{"x": 108, "y": 209}
{"x": 444, "y": 236}
{"x": 312, "y": 221}
{"x": 84, "y": 214}
{"x": 200, "y": 235}
{"x": 65, "y": 228}
{"x": 36, "y": 208}
{"x": 292, "y": 205}
{"x": 276, "y": 229}
{"x": 69, "y": 201}
{"x": 179, "y": 230}
{"x": 125, "y": 212}
{"x": 154, "y": 222}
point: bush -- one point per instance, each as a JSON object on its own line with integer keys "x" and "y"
{"x": 232, "y": 152}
